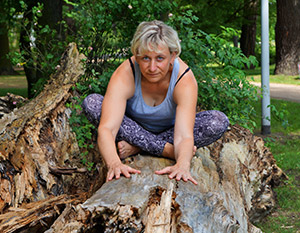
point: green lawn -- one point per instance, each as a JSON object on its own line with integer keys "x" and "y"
{"x": 255, "y": 75}
{"x": 284, "y": 143}
{"x": 15, "y": 84}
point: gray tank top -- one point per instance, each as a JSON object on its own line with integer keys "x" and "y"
{"x": 158, "y": 118}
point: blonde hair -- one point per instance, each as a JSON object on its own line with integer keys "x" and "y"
{"x": 150, "y": 35}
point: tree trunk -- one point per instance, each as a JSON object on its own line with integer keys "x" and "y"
{"x": 235, "y": 178}
{"x": 25, "y": 47}
{"x": 248, "y": 36}
{"x": 287, "y": 36}
{"x": 36, "y": 141}
{"x": 40, "y": 175}
{"x": 5, "y": 64}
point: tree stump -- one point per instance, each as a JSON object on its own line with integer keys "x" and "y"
{"x": 40, "y": 171}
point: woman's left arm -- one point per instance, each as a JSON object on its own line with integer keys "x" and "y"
{"x": 185, "y": 96}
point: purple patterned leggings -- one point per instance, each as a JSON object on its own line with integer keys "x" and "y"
{"x": 209, "y": 126}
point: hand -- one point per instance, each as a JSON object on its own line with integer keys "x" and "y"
{"x": 115, "y": 170}
{"x": 178, "y": 172}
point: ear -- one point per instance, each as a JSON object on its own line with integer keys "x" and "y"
{"x": 173, "y": 56}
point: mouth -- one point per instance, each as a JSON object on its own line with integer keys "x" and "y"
{"x": 152, "y": 74}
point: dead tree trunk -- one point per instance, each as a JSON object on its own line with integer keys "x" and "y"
{"x": 235, "y": 179}
{"x": 236, "y": 175}
{"x": 36, "y": 139}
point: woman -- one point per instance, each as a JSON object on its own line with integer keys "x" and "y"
{"x": 150, "y": 105}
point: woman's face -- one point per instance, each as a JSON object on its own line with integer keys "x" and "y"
{"x": 156, "y": 65}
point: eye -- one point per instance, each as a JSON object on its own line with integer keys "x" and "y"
{"x": 160, "y": 58}
{"x": 145, "y": 58}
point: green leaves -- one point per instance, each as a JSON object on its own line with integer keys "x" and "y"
{"x": 218, "y": 67}
{"x": 83, "y": 130}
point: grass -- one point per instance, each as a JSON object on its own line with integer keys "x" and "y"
{"x": 284, "y": 145}
{"x": 283, "y": 142}
{"x": 15, "y": 84}
{"x": 255, "y": 76}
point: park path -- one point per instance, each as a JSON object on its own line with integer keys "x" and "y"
{"x": 283, "y": 91}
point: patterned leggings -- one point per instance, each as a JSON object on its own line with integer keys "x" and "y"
{"x": 209, "y": 127}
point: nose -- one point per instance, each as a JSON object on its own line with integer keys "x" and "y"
{"x": 153, "y": 66}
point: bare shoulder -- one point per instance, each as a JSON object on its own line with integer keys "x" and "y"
{"x": 123, "y": 72}
{"x": 188, "y": 77}
{"x": 187, "y": 87}
{"x": 122, "y": 80}
{"x": 183, "y": 66}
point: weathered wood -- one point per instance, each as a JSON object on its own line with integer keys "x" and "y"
{"x": 9, "y": 102}
{"x": 36, "y": 138}
{"x": 66, "y": 170}
{"x": 235, "y": 179}
{"x": 36, "y": 217}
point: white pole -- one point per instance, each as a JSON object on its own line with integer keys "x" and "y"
{"x": 265, "y": 72}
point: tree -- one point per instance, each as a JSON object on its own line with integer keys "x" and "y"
{"x": 5, "y": 65}
{"x": 5, "y": 18}
{"x": 40, "y": 20}
{"x": 212, "y": 14}
{"x": 248, "y": 35}
{"x": 287, "y": 36}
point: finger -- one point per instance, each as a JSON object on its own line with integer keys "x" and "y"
{"x": 178, "y": 176}
{"x": 117, "y": 173}
{"x": 193, "y": 180}
{"x": 132, "y": 170}
{"x": 126, "y": 173}
{"x": 110, "y": 175}
{"x": 165, "y": 170}
{"x": 173, "y": 174}
{"x": 185, "y": 179}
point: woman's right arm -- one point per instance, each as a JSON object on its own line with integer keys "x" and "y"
{"x": 120, "y": 88}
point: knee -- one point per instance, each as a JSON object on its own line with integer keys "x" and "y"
{"x": 92, "y": 102}
{"x": 219, "y": 121}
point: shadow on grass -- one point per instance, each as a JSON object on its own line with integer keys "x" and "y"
{"x": 16, "y": 91}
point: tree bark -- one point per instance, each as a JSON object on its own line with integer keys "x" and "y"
{"x": 36, "y": 140}
{"x": 287, "y": 36}
{"x": 235, "y": 178}
{"x": 25, "y": 47}
{"x": 5, "y": 64}
{"x": 248, "y": 36}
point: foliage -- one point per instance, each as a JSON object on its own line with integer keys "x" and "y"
{"x": 83, "y": 133}
{"x": 224, "y": 88}
{"x": 45, "y": 45}
{"x": 212, "y": 14}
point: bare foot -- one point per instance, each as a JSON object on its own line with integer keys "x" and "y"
{"x": 194, "y": 150}
{"x": 125, "y": 149}
{"x": 169, "y": 151}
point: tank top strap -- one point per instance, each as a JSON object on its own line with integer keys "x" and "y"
{"x": 187, "y": 69}
{"x": 132, "y": 66}
{"x": 174, "y": 76}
